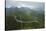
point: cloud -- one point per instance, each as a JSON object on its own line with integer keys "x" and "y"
{"x": 19, "y": 4}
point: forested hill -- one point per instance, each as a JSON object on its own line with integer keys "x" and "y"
{"x": 12, "y": 10}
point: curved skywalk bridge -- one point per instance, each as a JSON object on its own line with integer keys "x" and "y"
{"x": 23, "y": 21}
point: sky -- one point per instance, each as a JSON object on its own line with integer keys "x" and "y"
{"x": 19, "y": 4}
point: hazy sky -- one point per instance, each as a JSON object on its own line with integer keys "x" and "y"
{"x": 19, "y": 4}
